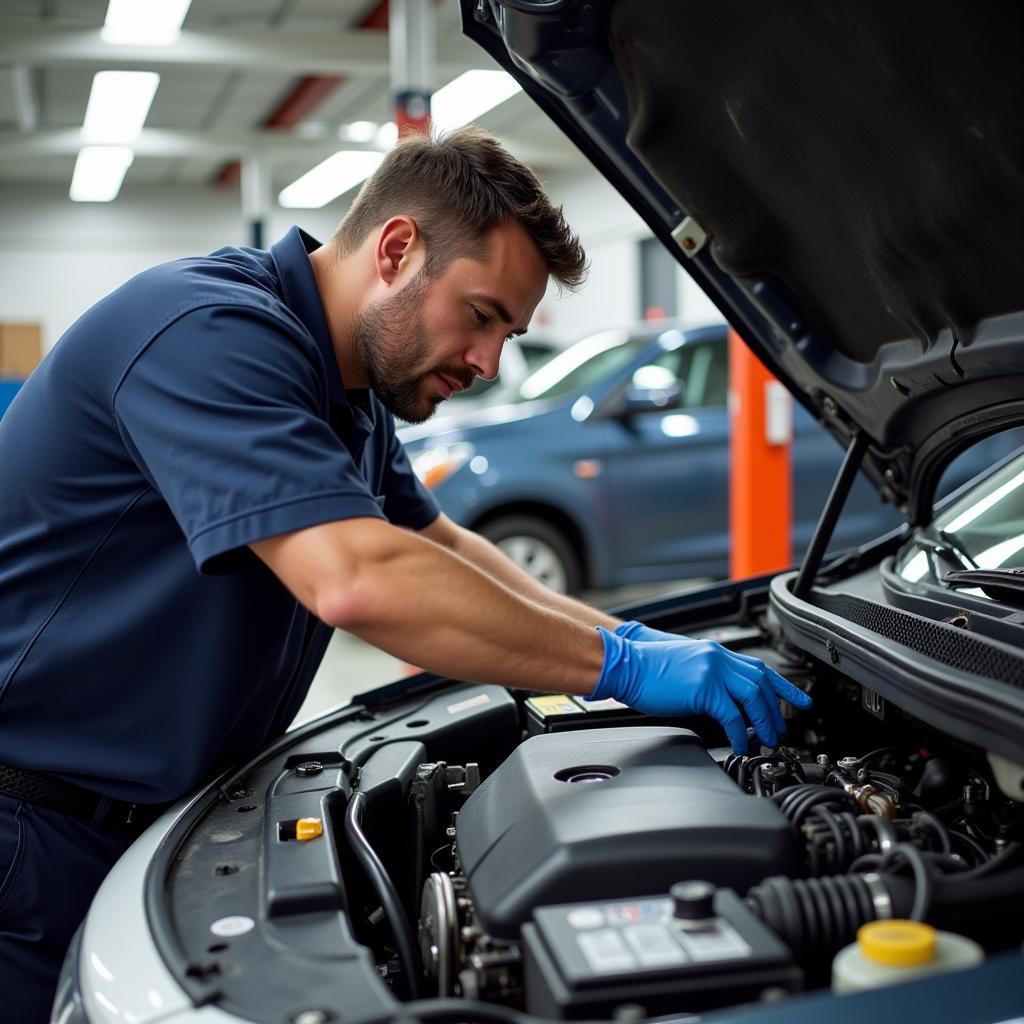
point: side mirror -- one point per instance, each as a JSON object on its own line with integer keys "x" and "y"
{"x": 651, "y": 388}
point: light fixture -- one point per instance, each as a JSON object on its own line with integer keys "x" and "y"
{"x": 387, "y": 135}
{"x": 359, "y": 131}
{"x": 465, "y": 98}
{"x": 330, "y": 179}
{"x": 99, "y": 171}
{"x": 118, "y": 105}
{"x": 144, "y": 22}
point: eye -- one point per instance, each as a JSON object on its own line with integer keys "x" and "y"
{"x": 481, "y": 317}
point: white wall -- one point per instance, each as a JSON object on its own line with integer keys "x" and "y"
{"x": 611, "y": 232}
{"x": 57, "y": 257}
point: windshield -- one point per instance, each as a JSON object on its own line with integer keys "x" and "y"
{"x": 576, "y": 369}
{"x": 984, "y": 529}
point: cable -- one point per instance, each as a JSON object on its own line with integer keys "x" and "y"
{"x": 1009, "y": 854}
{"x": 384, "y": 888}
{"x": 937, "y": 827}
{"x": 923, "y": 888}
{"x": 871, "y": 755}
{"x": 971, "y": 844}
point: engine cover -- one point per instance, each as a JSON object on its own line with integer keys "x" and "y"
{"x": 610, "y": 813}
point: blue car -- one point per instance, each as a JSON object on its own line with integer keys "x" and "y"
{"x": 609, "y": 465}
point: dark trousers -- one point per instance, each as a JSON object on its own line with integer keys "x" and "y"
{"x": 50, "y": 867}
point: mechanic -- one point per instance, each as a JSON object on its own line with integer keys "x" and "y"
{"x": 202, "y": 479}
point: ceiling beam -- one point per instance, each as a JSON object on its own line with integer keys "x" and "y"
{"x": 350, "y": 52}
{"x": 274, "y": 143}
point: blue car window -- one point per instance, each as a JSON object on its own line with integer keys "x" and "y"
{"x": 713, "y": 375}
{"x": 703, "y": 373}
{"x": 581, "y": 376}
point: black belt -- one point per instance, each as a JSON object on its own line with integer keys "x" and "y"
{"x": 56, "y": 794}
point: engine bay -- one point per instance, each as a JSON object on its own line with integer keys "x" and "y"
{"x": 505, "y": 853}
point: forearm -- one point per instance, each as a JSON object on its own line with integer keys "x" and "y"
{"x": 427, "y": 605}
{"x": 483, "y": 554}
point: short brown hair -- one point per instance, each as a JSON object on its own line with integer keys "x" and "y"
{"x": 459, "y": 187}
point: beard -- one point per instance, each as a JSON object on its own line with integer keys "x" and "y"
{"x": 391, "y": 342}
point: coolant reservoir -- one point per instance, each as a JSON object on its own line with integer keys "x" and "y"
{"x": 889, "y": 952}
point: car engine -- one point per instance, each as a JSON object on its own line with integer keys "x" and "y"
{"x": 577, "y": 865}
{"x": 501, "y": 855}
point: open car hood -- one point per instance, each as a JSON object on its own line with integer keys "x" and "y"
{"x": 845, "y": 181}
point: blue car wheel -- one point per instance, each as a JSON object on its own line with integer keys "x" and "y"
{"x": 538, "y": 548}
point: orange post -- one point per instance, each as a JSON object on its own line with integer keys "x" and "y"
{"x": 760, "y": 491}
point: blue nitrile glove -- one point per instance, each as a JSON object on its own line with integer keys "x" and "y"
{"x": 634, "y": 630}
{"x": 678, "y": 676}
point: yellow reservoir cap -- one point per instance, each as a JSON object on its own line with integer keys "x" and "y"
{"x": 308, "y": 828}
{"x": 897, "y": 943}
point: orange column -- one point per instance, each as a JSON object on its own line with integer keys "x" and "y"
{"x": 760, "y": 491}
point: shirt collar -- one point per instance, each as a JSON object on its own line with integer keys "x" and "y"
{"x": 291, "y": 257}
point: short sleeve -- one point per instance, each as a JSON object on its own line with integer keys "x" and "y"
{"x": 223, "y": 412}
{"x": 406, "y": 501}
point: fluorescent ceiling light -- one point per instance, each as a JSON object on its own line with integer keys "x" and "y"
{"x": 465, "y": 98}
{"x": 144, "y": 22}
{"x": 99, "y": 171}
{"x": 330, "y": 179}
{"x": 359, "y": 131}
{"x": 118, "y": 105}
{"x": 387, "y": 135}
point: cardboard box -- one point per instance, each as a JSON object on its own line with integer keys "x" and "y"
{"x": 21, "y": 349}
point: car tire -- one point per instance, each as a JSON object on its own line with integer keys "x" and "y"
{"x": 538, "y": 548}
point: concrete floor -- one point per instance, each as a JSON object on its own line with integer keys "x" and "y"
{"x": 351, "y": 666}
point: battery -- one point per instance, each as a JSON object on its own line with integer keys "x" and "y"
{"x": 588, "y": 960}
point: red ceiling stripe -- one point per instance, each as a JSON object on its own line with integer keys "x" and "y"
{"x": 305, "y": 96}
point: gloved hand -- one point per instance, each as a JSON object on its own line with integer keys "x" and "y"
{"x": 634, "y": 630}
{"x": 677, "y": 676}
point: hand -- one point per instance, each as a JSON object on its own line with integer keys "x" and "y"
{"x": 677, "y": 676}
{"x": 634, "y": 630}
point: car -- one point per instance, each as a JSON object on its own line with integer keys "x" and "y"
{"x": 519, "y": 356}
{"x": 609, "y": 466}
{"x": 844, "y": 180}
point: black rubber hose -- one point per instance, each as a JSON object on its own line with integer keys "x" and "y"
{"x": 816, "y": 917}
{"x": 405, "y": 942}
{"x": 989, "y": 908}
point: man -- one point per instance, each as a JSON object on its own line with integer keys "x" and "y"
{"x": 202, "y": 479}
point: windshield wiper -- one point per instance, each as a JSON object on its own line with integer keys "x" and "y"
{"x": 1005, "y": 585}
{"x": 953, "y": 543}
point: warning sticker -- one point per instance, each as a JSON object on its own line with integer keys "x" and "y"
{"x": 473, "y": 702}
{"x": 554, "y": 704}
{"x": 608, "y": 704}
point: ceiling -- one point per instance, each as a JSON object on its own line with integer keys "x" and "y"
{"x": 237, "y": 62}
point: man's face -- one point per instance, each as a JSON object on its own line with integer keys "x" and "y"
{"x": 436, "y": 336}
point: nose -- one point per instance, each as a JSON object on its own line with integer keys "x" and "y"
{"x": 483, "y": 357}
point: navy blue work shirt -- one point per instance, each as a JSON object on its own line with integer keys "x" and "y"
{"x": 195, "y": 410}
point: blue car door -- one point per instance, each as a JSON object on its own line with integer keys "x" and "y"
{"x": 668, "y": 468}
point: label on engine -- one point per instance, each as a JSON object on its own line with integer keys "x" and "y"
{"x": 554, "y": 704}
{"x": 605, "y": 952}
{"x": 473, "y": 702}
{"x": 719, "y": 942}
{"x": 653, "y": 945}
{"x": 608, "y": 704}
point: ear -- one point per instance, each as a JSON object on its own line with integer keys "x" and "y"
{"x": 398, "y": 248}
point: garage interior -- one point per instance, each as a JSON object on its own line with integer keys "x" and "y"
{"x": 250, "y": 96}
